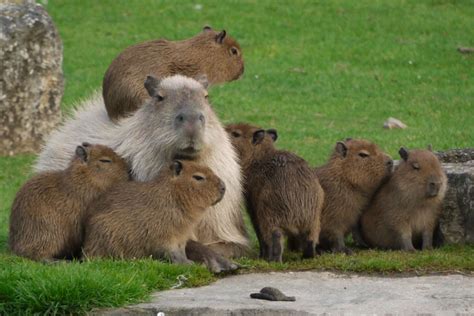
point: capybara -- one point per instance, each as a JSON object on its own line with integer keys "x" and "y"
{"x": 405, "y": 210}
{"x": 176, "y": 122}
{"x": 354, "y": 172}
{"x": 153, "y": 218}
{"x": 210, "y": 53}
{"x": 282, "y": 193}
{"x": 47, "y": 214}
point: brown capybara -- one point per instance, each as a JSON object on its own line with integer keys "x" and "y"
{"x": 354, "y": 172}
{"x": 210, "y": 53}
{"x": 405, "y": 210}
{"x": 47, "y": 214}
{"x": 283, "y": 195}
{"x": 154, "y": 218}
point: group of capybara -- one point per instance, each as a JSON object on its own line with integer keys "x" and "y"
{"x": 147, "y": 170}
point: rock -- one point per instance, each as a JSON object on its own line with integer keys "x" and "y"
{"x": 392, "y": 122}
{"x": 456, "y": 155}
{"x": 457, "y": 218}
{"x": 272, "y": 294}
{"x": 466, "y": 50}
{"x": 31, "y": 84}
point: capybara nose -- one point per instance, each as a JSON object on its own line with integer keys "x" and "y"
{"x": 222, "y": 187}
{"x": 433, "y": 189}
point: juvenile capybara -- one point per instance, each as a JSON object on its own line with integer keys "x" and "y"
{"x": 355, "y": 170}
{"x": 210, "y": 53}
{"x": 405, "y": 210}
{"x": 47, "y": 214}
{"x": 154, "y": 218}
{"x": 282, "y": 193}
{"x": 177, "y": 121}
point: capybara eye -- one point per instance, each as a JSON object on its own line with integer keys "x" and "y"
{"x": 159, "y": 97}
{"x": 180, "y": 118}
{"x": 234, "y": 51}
{"x": 198, "y": 178}
{"x": 105, "y": 160}
{"x": 363, "y": 155}
{"x": 201, "y": 118}
{"x": 235, "y": 134}
{"x": 416, "y": 166}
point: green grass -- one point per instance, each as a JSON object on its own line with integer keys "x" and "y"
{"x": 318, "y": 71}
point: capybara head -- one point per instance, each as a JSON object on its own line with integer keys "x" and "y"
{"x": 362, "y": 163}
{"x": 195, "y": 185}
{"x": 251, "y": 142}
{"x": 178, "y": 111}
{"x": 421, "y": 173}
{"x": 224, "y": 54}
{"x": 101, "y": 164}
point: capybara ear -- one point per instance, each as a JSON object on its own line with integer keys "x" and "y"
{"x": 341, "y": 148}
{"x": 220, "y": 37}
{"x": 348, "y": 139}
{"x": 258, "y": 136}
{"x": 273, "y": 134}
{"x": 151, "y": 85}
{"x": 430, "y": 147}
{"x": 403, "y": 153}
{"x": 207, "y": 28}
{"x": 177, "y": 167}
{"x": 86, "y": 144}
{"x": 202, "y": 79}
{"x": 81, "y": 152}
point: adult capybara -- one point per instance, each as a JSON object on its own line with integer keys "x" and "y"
{"x": 47, "y": 214}
{"x": 154, "y": 218}
{"x": 176, "y": 122}
{"x": 210, "y": 53}
{"x": 404, "y": 212}
{"x": 355, "y": 170}
{"x": 282, "y": 193}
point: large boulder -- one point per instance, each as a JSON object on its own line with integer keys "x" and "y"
{"x": 457, "y": 219}
{"x": 31, "y": 81}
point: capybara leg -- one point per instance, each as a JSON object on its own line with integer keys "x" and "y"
{"x": 308, "y": 251}
{"x": 357, "y": 237}
{"x": 406, "y": 242}
{"x": 264, "y": 249}
{"x": 216, "y": 263}
{"x": 277, "y": 247}
{"x": 229, "y": 249}
{"x": 427, "y": 239}
{"x": 178, "y": 256}
{"x": 339, "y": 245}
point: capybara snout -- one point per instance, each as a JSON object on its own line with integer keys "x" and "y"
{"x": 434, "y": 186}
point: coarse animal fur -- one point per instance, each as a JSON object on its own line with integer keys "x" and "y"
{"x": 149, "y": 140}
{"x": 47, "y": 214}
{"x": 153, "y": 218}
{"x": 282, "y": 193}
{"x": 210, "y": 53}
{"x": 406, "y": 209}
{"x": 355, "y": 170}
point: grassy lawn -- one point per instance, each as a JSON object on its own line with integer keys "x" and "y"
{"x": 317, "y": 71}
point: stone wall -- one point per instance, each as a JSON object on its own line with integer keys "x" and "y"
{"x": 31, "y": 78}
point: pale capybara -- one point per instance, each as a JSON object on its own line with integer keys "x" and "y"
{"x": 47, "y": 214}
{"x": 283, "y": 195}
{"x": 177, "y": 121}
{"x": 210, "y": 53}
{"x": 405, "y": 211}
{"x": 354, "y": 172}
{"x": 154, "y": 218}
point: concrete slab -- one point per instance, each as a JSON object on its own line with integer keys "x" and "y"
{"x": 317, "y": 293}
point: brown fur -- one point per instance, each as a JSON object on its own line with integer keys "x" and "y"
{"x": 407, "y": 207}
{"x": 349, "y": 179}
{"x": 207, "y": 53}
{"x": 283, "y": 195}
{"x": 142, "y": 219}
{"x": 47, "y": 213}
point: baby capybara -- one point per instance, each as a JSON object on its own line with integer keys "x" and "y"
{"x": 355, "y": 170}
{"x": 47, "y": 214}
{"x": 154, "y": 218}
{"x": 213, "y": 54}
{"x": 406, "y": 209}
{"x": 283, "y": 195}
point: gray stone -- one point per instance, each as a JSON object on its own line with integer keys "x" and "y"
{"x": 31, "y": 80}
{"x": 457, "y": 218}
{"x": 316, "y": 293}
{"x": 456, "y": 155}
